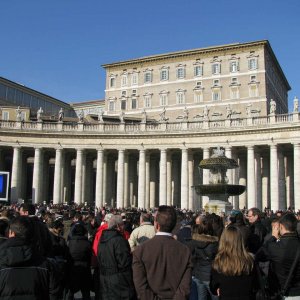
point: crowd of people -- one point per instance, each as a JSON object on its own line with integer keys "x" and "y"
{"x": 53, "y": 252}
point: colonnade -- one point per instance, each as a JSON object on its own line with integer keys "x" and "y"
{"x": 150, "y": 177}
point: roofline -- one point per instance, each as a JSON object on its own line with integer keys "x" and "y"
{"x": 185, "y": 53}
{"x": 87, "y": 102}
{"x": 20, "y": 86}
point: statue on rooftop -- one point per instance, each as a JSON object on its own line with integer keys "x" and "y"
{"x": 61, "y": 114}
{"x": 296, "y": 105}
{"x": 39, "y": 114}
{"x": 272, "y": 107}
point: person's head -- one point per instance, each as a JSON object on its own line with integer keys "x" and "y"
{"x": 57, "y": 225}
{"x": 287, "y": 223}
{"x": 145, "y": 217}
{"x": 107, "y": 217}
{"x": 253, "y": 215}
{"x": 116, "y": 222}
{"x": 77, "y": 217}
{"x": 79, "y": 230}
{"x": 165, "y": 219}
{"x": 232, "y": 257}
{"x": 21, "y": 227}
{"x": 205, "y": 227}
{"x": 198, "y": 219}
{"x": 3, "y": 227}
{"x": 27, "y": 209}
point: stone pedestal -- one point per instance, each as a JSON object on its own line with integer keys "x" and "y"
{"x": 218, "y": 206}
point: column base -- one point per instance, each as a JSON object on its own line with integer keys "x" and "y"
{"x": 217, "y": 207}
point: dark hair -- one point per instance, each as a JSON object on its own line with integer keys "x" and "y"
{"x": 78, "y": 216}
{"x": 146, "y": 217}
{"x": 3, "y": 227}
{"x": 22, "y": 227}
{"x": 255, "y": 212}
{"x": 166, "y": 218}
{"x": 28, "y": 207}
{"x": 289, "y": 222}
{"x": 205, "y": 227}
{"x": 79, "y": 230}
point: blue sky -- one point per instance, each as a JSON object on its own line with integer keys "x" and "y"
{"x": 58, "y": 46}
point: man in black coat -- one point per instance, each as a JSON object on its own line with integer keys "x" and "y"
{"x": 280, "y": 250}
{"x": 115, "y": 260}
{"x": 24, "y": 273}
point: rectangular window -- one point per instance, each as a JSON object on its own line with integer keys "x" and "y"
{"x": 111, "y": 106}
{"x": 134, "y": 79}
{"x": 133, "y": 92}
{"x": 234, "y": 80}
{"x": 216, "y": 96}
{"x": 199, "y": 84}
{"x": 180, "y": 73}
{"x": 198, "y": 71}
{"x": 253, "y": 78}
{"x": 198, "y": 97}
{"x": 180, "y": 98}
{"x": 163, "y": 100}
{"x": 164, "y": 75}
{"x": 234, "y": 93}
{"x": 123, "y": 104}
{"x": 112, "y": 82}
{"x": 148, "y": 77}
{"x": 216, "y": 82}
{"x": 253, "y": 92}
{"x": 252, "y": 64}
{"x": 124, "y": 80}
{"x": 5, "y": 115}
{"x": 216, "y": 68}
{"x": 147, "y": 101}
{"x": 133, "y": 103}
{"x": 234, "y": 66}
{"x": 123, "y": 94}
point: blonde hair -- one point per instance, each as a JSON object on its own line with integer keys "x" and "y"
{"x": 232, "y": 258}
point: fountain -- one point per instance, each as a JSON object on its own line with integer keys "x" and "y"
{"x": 218, "y": 190}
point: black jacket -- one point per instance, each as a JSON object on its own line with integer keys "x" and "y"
{"x": 203, "y": 249}
{"x": 281, "y": 255}
{"x": 256, "y": 238}
{"x": 115, "y": 267}
{"x": 80, "y": 274}
{"x": 25, "y": 274}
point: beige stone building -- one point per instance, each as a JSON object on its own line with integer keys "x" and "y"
{"x": 162, "y": 115}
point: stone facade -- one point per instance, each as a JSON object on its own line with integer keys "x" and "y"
{"x": 155, "y": 160}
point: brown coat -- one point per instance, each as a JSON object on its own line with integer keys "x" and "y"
{"x": 162, "y": 269}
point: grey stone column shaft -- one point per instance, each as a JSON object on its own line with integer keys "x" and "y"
{"x": 274, "y": 177}
{"x": 78, "y": 177}
{"x": 99, "y": 179}
{"x": 37, "y": 178}
{"x": 258, "y": 180}
{"x": 163, "y": 177}
{"x": 120, "y": 179}
{"x": 205, "y": 176}
{"x": 169, "y": 178}
{"x": 15, "y": 176}
{"x": 57, "y": 177}
{"x": 184, "y": 178}
{"x": 142, "y": 179}
{"x": 147, "y": 188}
{"x": 190, "y": 181}
{"x": 296, "y": 176}
{"x": 251, "y": 200}
{"x": 281, "y": 183}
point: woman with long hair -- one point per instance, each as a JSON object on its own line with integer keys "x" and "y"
{"x": 233, "y": 270}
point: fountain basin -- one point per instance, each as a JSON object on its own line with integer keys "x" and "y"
{"x": 222, "y": 189}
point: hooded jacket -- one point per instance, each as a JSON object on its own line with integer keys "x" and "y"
{"x": 25, "y": 274}
{"x": 203, "y": 249}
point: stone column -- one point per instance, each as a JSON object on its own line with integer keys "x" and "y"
{"x": 265, "y": 181}
{"x": 243, "y": 180}
{"x": 126, "y": 180}
{"x": 163, "y": 177}
{"x": 205, "y": 176}
{"x": 152, "y": 181}
{"x": 104, "y": 181}
{"x": 258, "y": 181}
{"x": 251, "y": 201}
{"x": 296, "y": 176}
{"x": 99, "y": 178}
{"x": 120, "y": 179}
{"x": 57, "y": 177}
{"x": 142, "y": 179}
{"x": 83, "y": 177}
{"x": 37, "y": 178}
{"x": 274, "y": 177}
{"x": 169, "y": 178}
{"x": 281, "y": 184}
{"x": 176, "y": 178}
{"x": 228, "y": 153}
{"x": 147, "y": 189}
{"x": 184, "y": 179}
{"x": 191, "y": 181}
{"x": 78, "y": 177}
{"x": 289, "y": 181}
{"x": 15, "y": 187}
